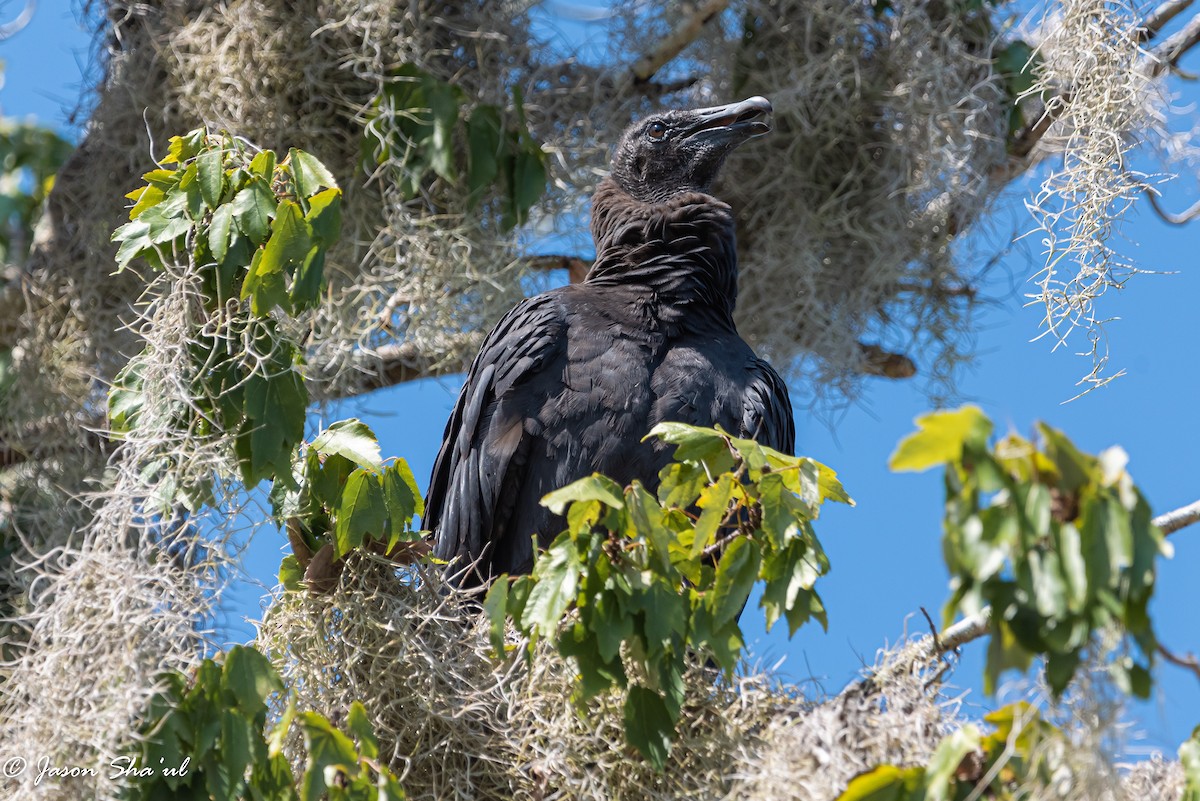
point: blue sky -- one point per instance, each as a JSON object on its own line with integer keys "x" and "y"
{"x": 886, "y": 552}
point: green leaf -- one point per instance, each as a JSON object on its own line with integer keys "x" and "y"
{"x": 790, "y": 574}
{"x": 885, "y": 783}
{"x": 443, "y": 102}
{"x": 263, "y": 165}
{"x": 666, "y": 615}
{"x": 714, "y": 505}
{"x": 236, "y": 751}
{"x": 556, "y": 577}
{"x": 219, "y": 231}
{"x": 940, "y": 439}
{"x": 253, "y": 208}
{"x": 291, "y": 575}
{"x": 248, "y": 675}
{"x": 327, "y": 748}
{"x": 291, "y": 239}
{"x": 648, "y": 725}
{"x": 134, "y": 238}
{"x": 1074, "y": 467}
{"x": 705, "y": 446}
{"x": 360, "y": 726}
{"x": 402, "y": 495}
{"x": 737, "y": 571}
{"x": 951, "y": 751}
{"x": 279, "y": 732}
{"x": 310, "y": 174}
{"x": 362, "y": 512}
{"x": 483, "y": 148}
{"x": 1017, "y": 63}
{"x": 352, "y": 439}
{"x": 266, "y": 289}
{"x": 830, "y": 487}
{"x": 147, "y": 197}
{"x": 593, "y": 488}
{"x": 126, "y": 398}
{"x": 325, "y": 216}
{"x": 211, "y": 175}
{"x": 495, "y": 608}
{"x": 274, "y": 425}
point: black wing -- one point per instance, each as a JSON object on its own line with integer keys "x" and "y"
{"x": 486, "y": 445}
{"x": 767, "y": 410}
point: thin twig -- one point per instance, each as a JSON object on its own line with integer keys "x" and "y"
{"x": 1187, "y": 661}
{"x": 681, "y": 37}
{"x": 1183, "y": 218}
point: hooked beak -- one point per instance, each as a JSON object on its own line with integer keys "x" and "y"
{"x": 738, "y": 121}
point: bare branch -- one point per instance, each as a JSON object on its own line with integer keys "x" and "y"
{"x": 9, "y": 29}
{"x": 576, "y": 267}
{"x": 1167, "y": 54}
{"x": 1184, "y": 218}
{"x": 1182, "y": 517}
{"x": 1157, "y": 19}
{"x": 394, "y": 364}
{"x": 681, "y": 37}
{"x": 1187, "y": 661}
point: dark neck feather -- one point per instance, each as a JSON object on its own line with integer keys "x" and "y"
{"x": 683, "y": 249}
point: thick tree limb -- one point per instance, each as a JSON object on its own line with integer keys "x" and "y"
{"x": 392, "y": 364}
{"x": 681, "y": 37}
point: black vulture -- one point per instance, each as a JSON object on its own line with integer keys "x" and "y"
{"x": 570, "y": 381}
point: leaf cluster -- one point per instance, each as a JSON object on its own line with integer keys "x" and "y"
{"x": 970, "y": 764}
{"x": 642, "y": 585}
{"x": 206, "y": 738}
{"x": 256, "y": 230}
{"x": 344, "y": 497}
{"x": 417, "y": 123}
{"x": 1060, "y": 544}
{"x": 256, "y": 226}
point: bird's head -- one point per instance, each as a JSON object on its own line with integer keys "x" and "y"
{"x": 682, "y": 151}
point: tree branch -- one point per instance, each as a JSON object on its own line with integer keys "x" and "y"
{"x": 1167, "y": 54}
{"x": 976, "y": 626}
{"x": 1183, "y": 218}
{"x": 1188, "y": 661}
{"x": 1172, "y": 521}
{"x": 393, "y": 364}
{"x": 1159, "y": 17}
{"x": 683, "y": 35}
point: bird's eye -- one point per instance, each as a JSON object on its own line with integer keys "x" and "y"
{"x": 657, "y": 130}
